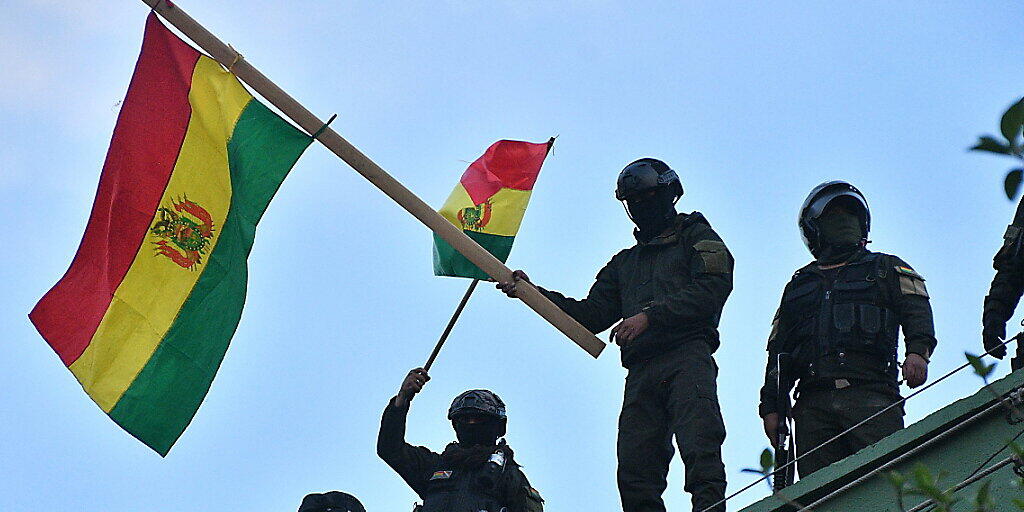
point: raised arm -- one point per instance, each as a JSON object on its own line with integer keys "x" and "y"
{"x": 412, "y": 463}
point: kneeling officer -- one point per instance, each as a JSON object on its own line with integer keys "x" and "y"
{"x": 478, "y": 473}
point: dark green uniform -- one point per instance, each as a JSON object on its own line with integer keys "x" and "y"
{"x": 681, "y": 279}
{"x": 841, "y": 329}
{"x": 446, "y": 488}
{"x": 1007, "y": 285}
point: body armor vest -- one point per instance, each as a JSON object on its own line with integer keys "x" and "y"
{"x": 855, "y": 313}
{"x": 476, "y": 489}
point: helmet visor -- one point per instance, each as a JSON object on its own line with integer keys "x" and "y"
{"x": 825, "y": 198}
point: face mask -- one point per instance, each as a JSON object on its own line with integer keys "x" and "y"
{"x": 485, "y": 433}
{"x": 839, "y": 228}
{"x": 654, "y": 214}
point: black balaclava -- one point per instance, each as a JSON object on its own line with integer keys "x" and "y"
{"x": 485, "y": 433}
{"x": 652, "y": 215}
{"x": 840, "y": 235}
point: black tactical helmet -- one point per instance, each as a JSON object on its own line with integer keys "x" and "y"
{"x": 819, "y": 199}
{"x": 478, "y": 401}
{"x": 333, "y": 501}
{"x": 646, "y": 174}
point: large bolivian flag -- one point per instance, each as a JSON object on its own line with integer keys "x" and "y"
{"x": 144, "y": 314}
{"x": 489, "y": 203}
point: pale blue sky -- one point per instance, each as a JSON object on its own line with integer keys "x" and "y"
{"x": 752, "y": 103}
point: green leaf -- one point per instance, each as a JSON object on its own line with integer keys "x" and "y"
{"x": 980, "y": 368}
{"x": 1012, "y": 121}
{"x": 767, "y": 460}
{"x": 983, "y": 500}
{"x": 1012, "y": 182}
{"x": 927, "y": 485}
{"x": 896, "y": 479}
{"x": 990, "y": 144}
{"x": 1016, "y": 448}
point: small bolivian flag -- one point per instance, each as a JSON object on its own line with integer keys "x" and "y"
{"x": 144, "y": 315}
{"x": 489, "y": 203}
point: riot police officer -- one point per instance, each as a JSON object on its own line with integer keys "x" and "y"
{"x": 839, "y": 322}
{"x": 666, "y": 293}
{"x": 1005, "y": 292}
{"x": 478, "y": 473}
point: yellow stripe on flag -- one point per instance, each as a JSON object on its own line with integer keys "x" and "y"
{"x": 147, "y": 301}
{"x": 507, "y": 208}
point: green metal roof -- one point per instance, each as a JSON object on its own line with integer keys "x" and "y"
{"x": 957, "y": 456}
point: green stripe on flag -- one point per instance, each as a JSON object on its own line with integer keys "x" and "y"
{"x": 448, "y": 261}
{"x": 164, "y": 397}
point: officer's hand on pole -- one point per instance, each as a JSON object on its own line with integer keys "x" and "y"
{"x": 993, "y": 335}
{"x": 510, "y": 287}
{"x": 771, "y": 427}
{"x": 412, "y": 384}
{"x": 915, "y": 370}
{"x": 629, "y": 329}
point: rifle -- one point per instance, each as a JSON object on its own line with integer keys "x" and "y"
{"x": 1017, "y": 362}
{"x": 784, "y": 449}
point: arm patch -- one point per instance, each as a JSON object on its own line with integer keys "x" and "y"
{"x": 714, "y": 255}
{"x": 534, "y": 503}
{"x": 911, "y": 283}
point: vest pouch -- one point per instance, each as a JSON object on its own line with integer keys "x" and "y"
{"x": 869, "y": 319}
{"x": 802, "y": 299}
{"x": 843, "y": 317}
{"x": 854, "y": 291}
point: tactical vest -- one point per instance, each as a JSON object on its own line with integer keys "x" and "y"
{"x": 856, "y": 313}
{"x": 476, "y": 489}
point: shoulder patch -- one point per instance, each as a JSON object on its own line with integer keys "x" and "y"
{"x": 715, "y": 256}
{"x": 911, "y": 283}
{"x": 907, "y": 271}
{"x": 534, "y": 502}
{"x": 441, "y": 475}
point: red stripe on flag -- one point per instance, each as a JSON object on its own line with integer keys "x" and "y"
{"x": 506, "y": 164}
{"x": 143, "y": 150}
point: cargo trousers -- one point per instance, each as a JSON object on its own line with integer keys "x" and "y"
{"x": 823, "y": 414}
{"x": 671, "y": 396}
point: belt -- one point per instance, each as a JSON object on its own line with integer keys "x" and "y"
{"x": 831, "y": 384}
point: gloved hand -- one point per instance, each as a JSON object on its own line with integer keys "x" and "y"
{"x": 992, "y": 335}
{"x": 771, "y": 427}
{"x": 412, "y": 384}
{"x": 915, "y": 370}
{"x": 628, "y": 329}
{"x": 509, "y": 288}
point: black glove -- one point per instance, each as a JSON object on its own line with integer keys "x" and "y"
{"x": 992, "y": 335}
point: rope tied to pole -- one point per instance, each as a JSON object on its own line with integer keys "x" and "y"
{"x": 238, "y": 57}
{"x": 324, "y": 127}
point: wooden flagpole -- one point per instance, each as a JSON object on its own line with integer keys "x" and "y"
{"x": 362, "y": 164}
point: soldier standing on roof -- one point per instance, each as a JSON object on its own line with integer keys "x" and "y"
{"x": 476, "y": 474}
{"x": 668, "y": 290}
{"x": 839, "y": 322}
{"x": 1007, "y": 288}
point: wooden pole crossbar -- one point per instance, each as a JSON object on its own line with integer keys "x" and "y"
{"x": 362, "y": 164}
